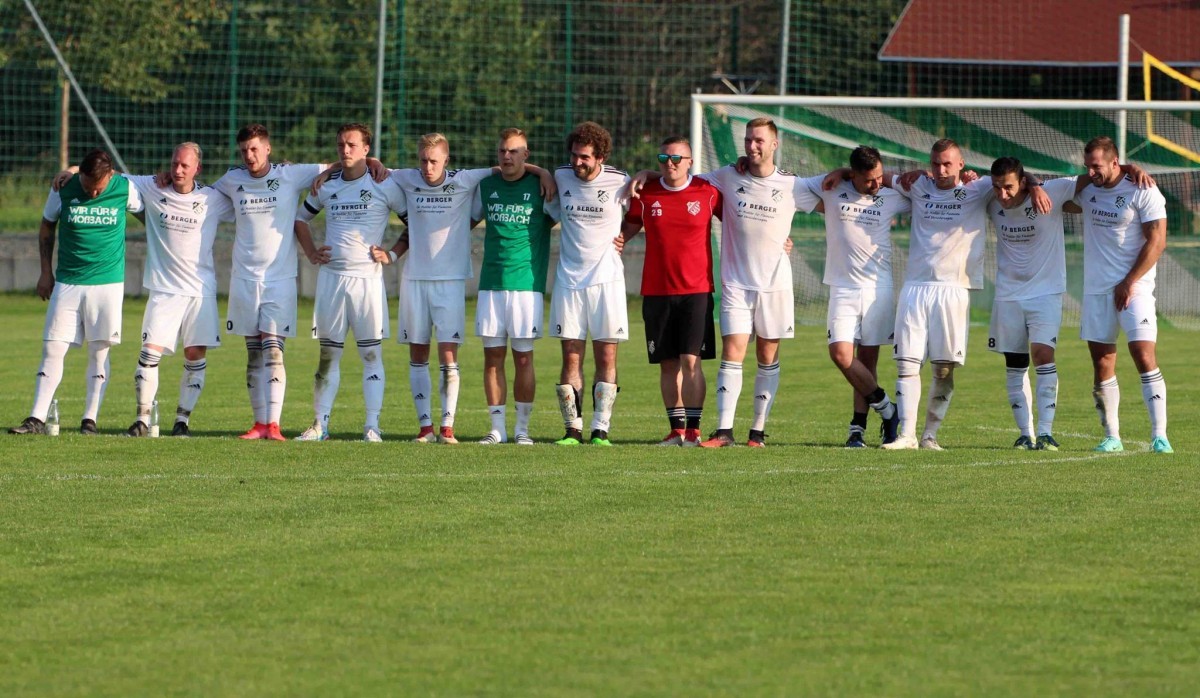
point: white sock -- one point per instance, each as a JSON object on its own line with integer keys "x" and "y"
{"x": 327, "y": 380}
{"x": 524, "y": 412}
{"x": 254, "y": 379}
{"x": 421, "y": 385}
{"x": 603, "y": 397}
{"x": 908, "y": 395}
{"x": 569, "y": 401}
{"x": 1019, "y": 398}
{"x": 1047, "y": 397}
{"x": 448, "y": 388}
{"x": 275, "y": 377}
{"x": 190, "y": 386}
{"x": 766, "y": 385}
{"x": 145, "y": 382}
{"x": 941, "y": 390}
{"x": 729, "y": 389}
{"x": 374, "y": 379}
{"x": 49, "y": 376}
{"x": 499, "y": 415}
{"x": 97, "y": 378}
{"x": 1108, "y": 403}
{"x": 884, "y": 408}
{"x": 1154, "y": 394}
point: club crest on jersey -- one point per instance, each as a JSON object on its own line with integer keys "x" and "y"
{"x": 198, "y": 207}
{"x": 602, "y": 196}
{"x": 273, "y": 184}
{"x": 1031, "y": 213}
{"x": 776, "y": 195}
{"x": 877, "y": 201}
{"x": 364, "y": 195}
{"x": 1120, "y": 202}
{"x": 960, "y": 194}
{"x": 693, "y": 207}
{"x": 448, "y": 188}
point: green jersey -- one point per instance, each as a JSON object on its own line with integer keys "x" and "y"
{"x": 91, "y": 232}
{"x": 516, "y": 247}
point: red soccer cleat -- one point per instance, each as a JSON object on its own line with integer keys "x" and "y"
{"x": 258, "y": 431}
{"x": 273, "y": 432}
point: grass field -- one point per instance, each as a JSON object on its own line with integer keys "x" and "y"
{"x": 216, "y": 567}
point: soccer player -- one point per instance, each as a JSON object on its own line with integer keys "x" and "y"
{"x": 512, "y": 279}
{"x": 88, "y": 286}
{"x": 350, "y": 291}
{"x": 677, "y": 284}
{"x": 589, "y": 285}
{"x": 262, "y": 290}
{"x": 1124, "y": 235}
{"x": 858, "y": 270}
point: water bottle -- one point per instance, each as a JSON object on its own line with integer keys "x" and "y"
{"x": 154, "y": 419}
{"x": 52, "y": 419}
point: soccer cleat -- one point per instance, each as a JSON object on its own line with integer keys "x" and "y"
{"x": 757, "y": 439}
{"x": 569, "y": 440}
{"x": 1045, "y": 442}
{"x": 1024, "y": 444}
{"x": 902, "y": 443}
{"x": 890, "y": 427}
{"x": 691, "y": 438}
{"x": 930, "y": 444}
{"x": 492, "y": 438}
{"x": 675, "y": 438}
{"x": 1161, "y": 445}
{"x": 137, "y": 429}
{"x": 31, "y": 425}
{"x": 273, "y": 433}
{"x": 721, "y": 438}
{"x": 181, "y": 430}
{"x": 599, "y": 438}
{"x": 87, "y": 427}
{"x": 426, "y": 436}
{"x": 856, "y": 440}
{"x": 523, "y": 440}
{"x": 447, "y": 436}
{"x": 258, "y": 431}
{"x": 314, "y": 433}
{"x": 1110, "y": 444}
{"x": 372, "y": 435}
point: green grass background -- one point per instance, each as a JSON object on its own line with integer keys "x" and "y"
{"x": 213, "y": 566}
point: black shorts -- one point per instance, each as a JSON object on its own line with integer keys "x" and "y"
{"x": 678, "y": 325}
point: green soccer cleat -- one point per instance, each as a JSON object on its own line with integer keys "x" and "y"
{"x": 1024, "y": 444}
{"x": 1110, "y": 444}
{"x": 1045, "y": 442}
{"x": 1161, "y": 445}
{"x": 573, "y": 437}
{"x": 597, "y": 441}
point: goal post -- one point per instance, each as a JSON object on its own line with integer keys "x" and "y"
{"x": 1048, "y": 136}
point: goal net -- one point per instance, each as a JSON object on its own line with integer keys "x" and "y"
{"x": 818, "y": 133}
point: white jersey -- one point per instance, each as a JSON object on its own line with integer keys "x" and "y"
{"x": 756, "y": 221}
{"x": 264, "y": 248}
{"x": 356, "y": 217}
{"x": 591, "y": 214}
{"x": 180, "y": 230}
{"x": 858, "y": 233}
{"x": 1112, "y": 232}
{"x": 948, "y": 228}
{"x": 439, "y": 223}
{"x": 1030, "y": 258}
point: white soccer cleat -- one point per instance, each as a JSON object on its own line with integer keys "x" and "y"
{"x": 314, "y": 433}
{"x": 523, "y": 440}
{"x": 492, "y": 438}
{"x": 929, "y": 443}
{"x": 902, "y": 443}
{"x": 372, "y": 435}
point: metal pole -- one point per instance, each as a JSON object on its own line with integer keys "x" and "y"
{"x": 1122, "y": 83}
{"x": 233, "y": 76}
{"x": 697, "y": 136}
{"x": 570, "y": 46}
{"x": 783, "y": 66}
{"x": 379, "y": 64}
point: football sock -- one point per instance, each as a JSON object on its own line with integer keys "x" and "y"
{"x": 729, "y": 388}
{"x": 692, "y": 417}
{"x": 374, "y": 379}
{"x": 603, "y": 397}
{"x": 190, "y": 386}
{"x": 1019, "y": 398}
{"x": 1108, "y": 402}
{"x": 421, "y": 385}
{"x": 145, "y": 382}
{"x": 570, "y": 404}
{"x": 879, "y": 402}
{"x": 448, "y": 388}
{"x": 1154, "y": 394}
{"x": 858, "y": 423}
{"x": 254, "y": 379}
{"x": 275, "y": 377}
{"x": 524, "y": 412}
{"x": 97, "y": 378}
{"x": 941, "y": 390}
{"x": 677, "y": 417}
{"x": 499, "y": 416}
{"x": 766, "y": 385}
{"x": 48, "y": 377}
{"x": 1047, "y": 397}
{"x": 327, "y": 379}
{"x": 908, "y": 394}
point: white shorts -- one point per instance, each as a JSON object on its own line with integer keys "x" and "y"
{"x": 170, "y": 318}
{"x": 349, "y": 303}
{"x": 432, "y": 305}
{"x": 931, "y": 323}
{"x": 1100, "y": 320}
{"x": 865, "y": 316}
{"x": 523, "y": 346}
{"x": 1018, "y": 323}
{"x": 600, "y": 309}
{"x": 768, "y": 314}
{"x": 261, "y": 307}
{"x": 515, "y": 314}
{"x": 79, "y": 314}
